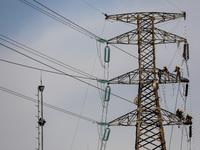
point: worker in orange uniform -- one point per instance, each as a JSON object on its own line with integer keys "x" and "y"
{"x": 165, "y": 70}
{"x": 178, "y": 73}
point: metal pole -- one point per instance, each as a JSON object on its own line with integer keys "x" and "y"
{"x": 41, "y": 120}
{"x": 38, "y": 119}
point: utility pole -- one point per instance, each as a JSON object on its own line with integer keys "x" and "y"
{"x": 149, "y": 118}
{"x": 41, "y": 120}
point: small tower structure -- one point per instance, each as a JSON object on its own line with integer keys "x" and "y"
{"x": 41, "y": 121}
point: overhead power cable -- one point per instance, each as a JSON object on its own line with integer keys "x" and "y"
{"x": 56, "y": 16}
{"x": 93, "y": 6}
{"x": 40, "y": 69}
{"x": 48, "y": 105}
{"x": 174, "y": 5}
{"x": 81, "y": 111}
{"x": 41, "y": 55}
{"x": 49, "y": 12}
{"x": 62, "y": 72}
{"x": 124, "y": 51}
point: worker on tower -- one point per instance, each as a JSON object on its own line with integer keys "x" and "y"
{"x": 188, "y": 120}
{"x": 165, "y": 70}
{"x": 179, "y": 113}
{"x": 178, "y": 73}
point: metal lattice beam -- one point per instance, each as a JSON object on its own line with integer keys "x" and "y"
{"x": 158, "y": 17}
{"x": 130, "y": 119}
{"x": 161, "y": 37}
{"x": 132, "y": 77}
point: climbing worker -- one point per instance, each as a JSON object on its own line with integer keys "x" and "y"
{"x": 179, "y": 113}
{"x": 178, "y": 73}
{"x": 165, "y": 70}
{"x": 188, "y": 120}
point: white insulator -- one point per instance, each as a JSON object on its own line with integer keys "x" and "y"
{"x": 107, "y": 93}
{"x": 107, "y": 54}
{"x": 106, "y": 134}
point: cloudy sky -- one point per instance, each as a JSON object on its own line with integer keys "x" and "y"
{"x": 41, "y": 33}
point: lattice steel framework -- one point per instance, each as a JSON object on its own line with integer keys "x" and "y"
{"x": 149, "y": 115}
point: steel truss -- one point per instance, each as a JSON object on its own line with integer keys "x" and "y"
{"x": 130, "y": 119}
{"x": 132, "y": 77}
{"x": 148, "y": 118}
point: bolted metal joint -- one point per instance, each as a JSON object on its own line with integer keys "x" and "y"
{"x": 41, "y": 121}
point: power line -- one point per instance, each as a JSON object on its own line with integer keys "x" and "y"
{"x": 124, "y": 51}
{"x": 61, "y": 19}
{"x": 47, "y": 105}
{"x": 63, "y": 72}
{"x": 67, "y": 22}
{"x": 76, "y": 25}
{"x": 44, "y": 70}
{"x": 81, "y": 111}
{"x": 174, "y": 5}
{"x": 41, "y": 55}
{"x": 93, "y": 6}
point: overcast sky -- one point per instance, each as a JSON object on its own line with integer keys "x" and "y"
{"x": 50, "y": 37}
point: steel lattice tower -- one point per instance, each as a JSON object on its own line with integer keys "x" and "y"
{"x": 149, "y": 118}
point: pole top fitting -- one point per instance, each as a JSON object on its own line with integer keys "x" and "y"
{"x": 41, "y": 88}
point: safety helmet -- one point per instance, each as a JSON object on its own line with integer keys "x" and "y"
{"x": 181, "y": 110}
{"x": 165, "y": 66}
{"x": 175, "y": 66}
{"x": 187, "y": 115}
{"x": 177, "y": 108}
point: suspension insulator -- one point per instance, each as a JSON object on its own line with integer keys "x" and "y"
{"x": 186, "y": 51}
{"x": 106, "y": 134}
{"x": 190, "y": 131}
{"x": 107, "y": 93}
{"x": 186, "y": 90}
{"x": 107, "y": 54}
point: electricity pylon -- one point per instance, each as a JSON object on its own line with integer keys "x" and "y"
{"x": 149, "y": 118}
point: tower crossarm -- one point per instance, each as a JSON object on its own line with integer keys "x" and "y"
{"x": 132, "y": 77}
{"x": 132, "y": 18}
{"x": 161, "y": 37}
{"x": 127, "y": 78}
{"x": 130, "y": 119}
